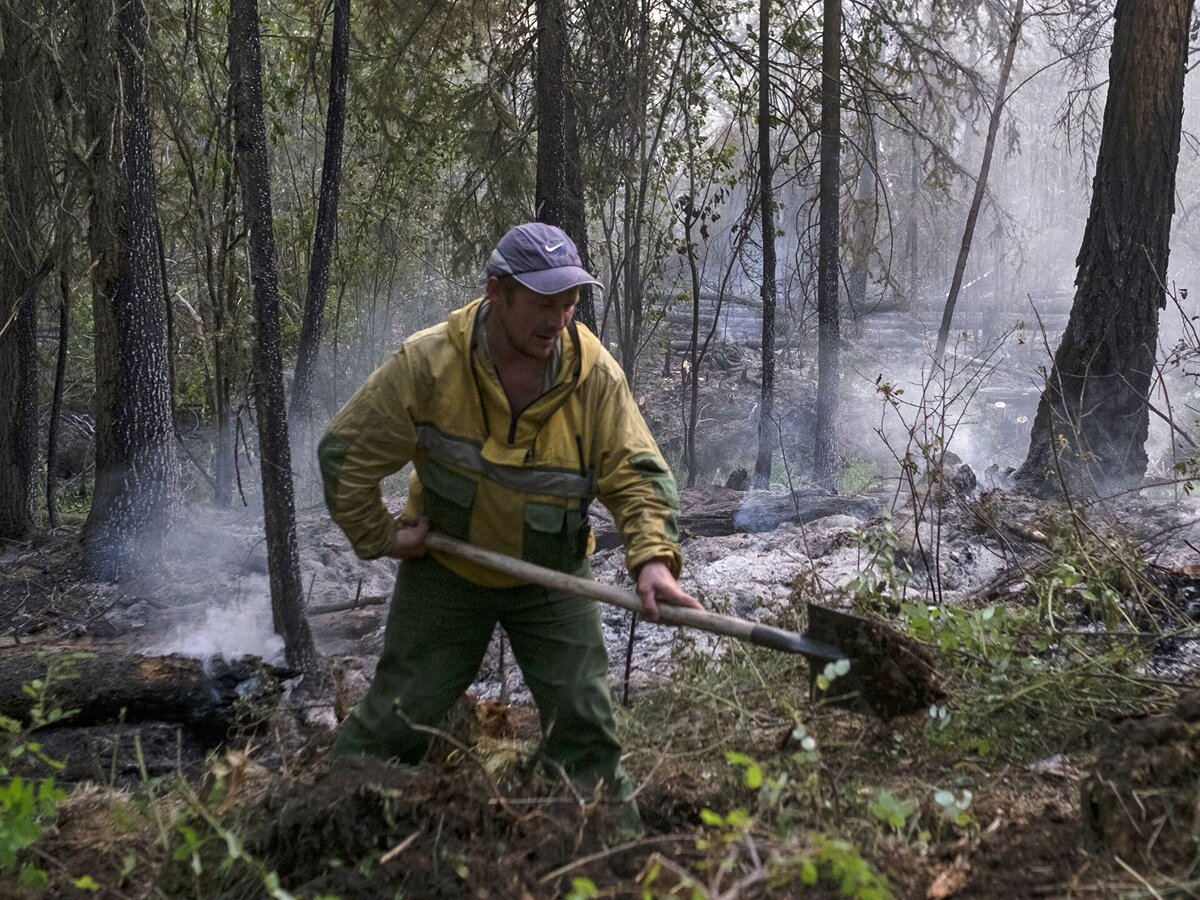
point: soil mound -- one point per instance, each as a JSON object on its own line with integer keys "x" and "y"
{"x": 1140, "y": 800}
{"x": 367, "y": 829}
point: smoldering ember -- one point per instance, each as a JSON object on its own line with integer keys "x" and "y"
{"x": 599, "y": 449}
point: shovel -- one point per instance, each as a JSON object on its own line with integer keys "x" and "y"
{"x": 889, "y": 675}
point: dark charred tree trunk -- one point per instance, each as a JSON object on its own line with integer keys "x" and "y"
{"x": 691, "y": 365}
{"x": 323, "y": 234}
{"x": 559, "y": 178}
{"x": 985, "y": 167}
{"x": 60, "y": 375}
{"x": 911, "y": 237}
{"x": 767, "y": 434}
{"x": 169, "y": 310}
{"x": 1091, "y": 425}
{"x": 19, "y": 277}
{"x": 135, "y": 454}
{"x": 279, "y": 512}
{"x": 825, "y": 462}
{"x": 223, "y": 289}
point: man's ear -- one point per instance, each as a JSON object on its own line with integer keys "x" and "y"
{"x": 493, "y": 292}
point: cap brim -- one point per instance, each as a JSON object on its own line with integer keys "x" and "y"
{"x": 553, "y": 281}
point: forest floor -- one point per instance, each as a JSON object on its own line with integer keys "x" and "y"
{"x": 1063, "y": 761}
{"x": 746, "y": 787}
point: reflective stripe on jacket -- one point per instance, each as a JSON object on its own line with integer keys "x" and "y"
{"x": 517, "y": 485}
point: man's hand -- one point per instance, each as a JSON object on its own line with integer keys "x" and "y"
{"x": 656, "y": 583}
{"x": 410, "y": 538}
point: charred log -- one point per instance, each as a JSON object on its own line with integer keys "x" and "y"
{"x": 713, "y": 511}
{"x": 107, "y": 685}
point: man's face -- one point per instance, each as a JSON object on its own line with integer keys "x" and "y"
{"x": 527, "y": 322}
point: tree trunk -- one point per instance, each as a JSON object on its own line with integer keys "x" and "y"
{"x": 225, "y": 343}
{"x": 862, "y": 225}
{"x": 60, "y": 375}
{"x": 767, "y": 434}
{"x": 825, "y": 462}
{"x": 559, "y": 192}
{"x": 21, "y": 159}
{"x": 279, "y": 513}
{"x": 911, "y": 238}
{"x": 1091, "y": 425}
{"x": 323, "y": 234}
{"x": 691, "y": 379}
{"x": 135, "y": 453}
{"x": 964, "y": 250}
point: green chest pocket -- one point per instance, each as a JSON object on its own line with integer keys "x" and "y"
{"x": 448, "y": 499}
{"x": 555, "y": 536}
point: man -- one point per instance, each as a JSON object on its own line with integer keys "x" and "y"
{"x": 515, "y": 418}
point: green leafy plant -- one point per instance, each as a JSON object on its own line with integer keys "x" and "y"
{"x": 890, "y": 809}
{"x": 839, "y": 862}
{"x": 211, "y": 848}
{"x": 881, "y": 584}
{"x": 955, "y": 808}
{"x": 26, "y": 804}
{"x": 582, "y": 889}
{"x": 831, "y": 673}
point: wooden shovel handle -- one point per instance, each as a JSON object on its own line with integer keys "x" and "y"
{"x": 715, "y": 623}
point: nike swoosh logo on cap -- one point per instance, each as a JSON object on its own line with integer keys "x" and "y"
{"x": 550, "y": 248}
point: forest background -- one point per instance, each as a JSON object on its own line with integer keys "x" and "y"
{"x": 661, "y": 124}
{"x": 219, "y": 218}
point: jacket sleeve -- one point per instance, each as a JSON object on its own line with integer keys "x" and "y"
{"x": 635, "y": 483}
{"x": 371, "y": 437}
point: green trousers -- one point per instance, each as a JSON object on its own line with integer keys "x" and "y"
{"x": 438, "y": 630}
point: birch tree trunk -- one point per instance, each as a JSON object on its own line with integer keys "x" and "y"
{"x": 279, "y": 513}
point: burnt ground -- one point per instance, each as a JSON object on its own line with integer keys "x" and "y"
{"x": 483, "y": 821}
{"x": 1035, "y": 727}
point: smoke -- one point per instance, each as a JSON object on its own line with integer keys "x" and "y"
{"x": 228, "y": 632}
{"x": 214, "y": 589}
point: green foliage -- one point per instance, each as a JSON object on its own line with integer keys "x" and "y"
{"x": 880, "y": 584}
{"x": 1101, "y": 572}
{"x": 858, "y": 474}
{"x": 26, "y": 804}
{"x": 582, "y": 889}
{"x": 838, "y": 862}
{"x": 890, "y": 809}
{"x": 955, "y": 808}
{"x": 214, "y": 852}
{"x": 831, "y": 673}
{"x": 1021, "y": 687}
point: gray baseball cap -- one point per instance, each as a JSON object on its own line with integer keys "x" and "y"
{"x": 541, "y": 257}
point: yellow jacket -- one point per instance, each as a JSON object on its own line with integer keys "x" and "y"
{"x": 519, "y": 486}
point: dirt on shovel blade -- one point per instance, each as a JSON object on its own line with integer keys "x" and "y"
{"x": 890, "y": 674}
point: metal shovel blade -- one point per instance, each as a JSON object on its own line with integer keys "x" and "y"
{"x": 890, "y": 674}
